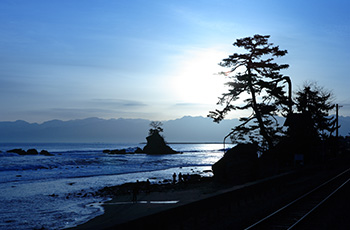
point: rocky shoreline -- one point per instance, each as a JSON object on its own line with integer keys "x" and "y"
{"x": 144, "y": 186}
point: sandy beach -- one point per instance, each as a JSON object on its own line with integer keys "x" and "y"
{"x": 197, "y": 205}
{"x": 122, "y": 209}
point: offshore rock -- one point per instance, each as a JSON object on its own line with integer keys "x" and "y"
{"x": 18, "y": 151}
{"x": 123, "y": 151}
{"x": 32, "y": 152}
{"x": 156, "y": 145}
{"x": 117, "y": 151}
{"x": 138, "y": 150}
{"x": 45, "y": 153}
{"x": 238, "y": 165}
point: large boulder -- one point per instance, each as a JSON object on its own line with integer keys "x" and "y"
{"x": 238, "y": 165}
{"x": 18, "y": 151}
{"x": 32, "y": 152}
{"x": 156, "y": 145}
{"x": 45, "y": 153}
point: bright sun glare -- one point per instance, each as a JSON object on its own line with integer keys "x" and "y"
{"x": 196, "y": 80}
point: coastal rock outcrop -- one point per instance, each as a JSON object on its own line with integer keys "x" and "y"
{"x": 117, "y": 151}
{"x": 156, "y": 145}
{"x": 30, "y": 152}
{"x": 138, "y": 150}
{"x": 238, "y": 165}
{"x": 18, "y": 151}
{"x": 123, "y": 151}
{"x": 45, "y": 153}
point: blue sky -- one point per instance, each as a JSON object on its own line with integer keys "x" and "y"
{"x": 64, "y": 59}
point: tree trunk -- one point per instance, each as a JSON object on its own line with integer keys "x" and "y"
{"x": 257, "y": 112}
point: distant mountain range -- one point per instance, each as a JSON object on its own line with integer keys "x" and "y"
{"x": 185, "y": 129}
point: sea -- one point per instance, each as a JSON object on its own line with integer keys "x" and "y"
{"x": 57, "y": 192}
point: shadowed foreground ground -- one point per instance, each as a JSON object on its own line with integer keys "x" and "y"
{"x": 210, "y": 205}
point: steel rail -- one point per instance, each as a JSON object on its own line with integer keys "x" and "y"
{"x": 301, "y": 197}
{"x": 298, "y": 221}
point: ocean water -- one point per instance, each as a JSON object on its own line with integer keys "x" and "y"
{"x": 55, "y": 192}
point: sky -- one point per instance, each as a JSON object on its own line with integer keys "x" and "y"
{"x": 155, "y": 59}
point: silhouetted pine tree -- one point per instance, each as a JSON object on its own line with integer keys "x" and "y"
{"x": 156, "y": 127}
{"x": 254, "y": 74}
{"x": 316, "y": 102}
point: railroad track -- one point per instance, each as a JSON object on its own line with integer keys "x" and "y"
{"x": 297, "y": 211}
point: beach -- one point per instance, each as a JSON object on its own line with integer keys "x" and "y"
{"x": 121, "y": 209}
{"x": 208, "y": 204}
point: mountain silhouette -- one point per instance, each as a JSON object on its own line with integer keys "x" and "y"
{"x": 185, "y": 129}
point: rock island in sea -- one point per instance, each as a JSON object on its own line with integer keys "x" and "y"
{"x": 155, "y": 145}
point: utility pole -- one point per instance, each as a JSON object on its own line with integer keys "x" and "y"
{"x": 337, "y": 127}
{"x": 336, "y": 121}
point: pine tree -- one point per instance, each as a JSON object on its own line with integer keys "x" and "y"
{"x": 316, "y": 102}
{"x": 156, "y": 127}
{"x": 255, "y": 74}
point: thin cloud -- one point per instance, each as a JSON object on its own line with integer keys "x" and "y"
{"x": 186, "y": 104}
{"x": 118, "y": 102}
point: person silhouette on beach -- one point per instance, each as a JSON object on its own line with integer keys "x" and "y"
{"x": 188, "y": 177}
{"x": 147, "y": 188}
{"x": 174, "y": 178}
{"x": 135, "y": 192}
{"x": 180, "y": 177}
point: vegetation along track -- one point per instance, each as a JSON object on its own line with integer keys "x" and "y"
{"x": 297, "y": 211}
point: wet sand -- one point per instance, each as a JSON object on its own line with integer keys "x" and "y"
{"x": 122, "y": 209}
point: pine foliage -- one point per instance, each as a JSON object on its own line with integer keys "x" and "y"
{"x": 254, "y": 73}
{"x": 316, "y": 102}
